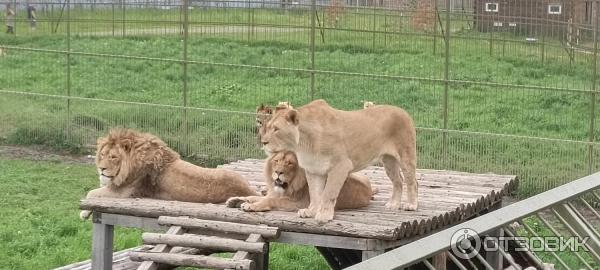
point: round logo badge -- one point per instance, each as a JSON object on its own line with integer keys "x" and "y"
{"x": 465, "y": 243}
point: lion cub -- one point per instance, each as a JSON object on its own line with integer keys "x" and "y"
{"x": 287, "y": 189}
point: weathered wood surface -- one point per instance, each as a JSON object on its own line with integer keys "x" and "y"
{"x": 149, "y": 265}
{"x": 261, "y": 260}
{"x": 445, "y": 198}
{"x": 289, "y": 221}
{"x": 201, "y": 241}
{"x": 192, "y": 260}
{"x": 120, "y": 261}
{"x": 220, "y": 226}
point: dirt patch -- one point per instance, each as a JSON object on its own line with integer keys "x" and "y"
{"x": 42, "y": 154}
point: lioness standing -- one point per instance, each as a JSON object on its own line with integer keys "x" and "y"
{"x": 330, "y": 144}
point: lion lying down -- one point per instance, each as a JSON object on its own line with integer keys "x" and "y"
{"x": 287, "y": 189}
{"x": 132, "y": 164}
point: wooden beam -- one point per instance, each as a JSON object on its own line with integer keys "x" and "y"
{"x": 193, "y": 260}
{"x": 156, "y": 208}
{"x": 200, "y": 241}
{"x": 220, "y": 226}
{"x": 261, "y": 260}
{"x": 102, "y": 244}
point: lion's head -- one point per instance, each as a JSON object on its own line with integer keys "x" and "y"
{"x": 281, "y": 132}
{"x": 125, "y": 156}
{"x": 285, "y": 172}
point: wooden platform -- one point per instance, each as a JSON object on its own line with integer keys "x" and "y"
{"x": 445, "y": 198}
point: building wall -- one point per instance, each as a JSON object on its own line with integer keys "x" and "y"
{"x": 529, "y": 17}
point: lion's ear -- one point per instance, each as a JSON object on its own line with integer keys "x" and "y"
{"x": 264, "y": 109}
{"x": 126, "y": 144}
{"x": 268, "y": 110}
{"x": 260, "y": 108}
{"x": 292, "y": 117}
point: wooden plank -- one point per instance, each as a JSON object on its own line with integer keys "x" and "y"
{"x": 150, "y": 265}
{"x": 102, "y": 245}
{"x": 264, "y": 231}
{"x": 289, "y": 221}
{"x": 243, "y": 255}
{"x": 325, "y": 240}
{"x": 192, "y": 260}
{"x": 87, "y": 264}
{"x": 203, "y": 242}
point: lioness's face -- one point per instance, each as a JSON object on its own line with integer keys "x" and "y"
{"x": 284, "y": 167}
{"x": 281, "y": 132}
{"x": 108, "y": 163}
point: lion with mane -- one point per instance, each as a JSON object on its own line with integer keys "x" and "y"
{"x": 131, "y": 164}
{"x": 287, "y": 189}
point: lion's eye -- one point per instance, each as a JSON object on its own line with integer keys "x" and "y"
{"x": 275, "y": 129}
{"x": 112, "y": 157}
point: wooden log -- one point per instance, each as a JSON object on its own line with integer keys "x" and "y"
{"x": 192, "y": 260}
{"x": 200, "y": 241}
{"x": 220, "y": 226}
{"x": 242, "y": 255}
{"x": 149, "y": 265}
{"x": 287, "y": 221}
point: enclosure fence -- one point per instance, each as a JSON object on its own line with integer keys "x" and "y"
{"x": 494, "y": 86}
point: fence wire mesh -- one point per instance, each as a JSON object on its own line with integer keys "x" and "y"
{"x": 494, "y": 86}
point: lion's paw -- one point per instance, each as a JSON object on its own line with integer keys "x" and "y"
{"x": 306, "y": 213}
{"x": 324, "y": 217}
{"x": 409, "y": 206}
{"x": 247, "y": 207}
{"x": 234, "y": 202}
{"x": 85, "y": 214}
{"x": 392, "y": 205}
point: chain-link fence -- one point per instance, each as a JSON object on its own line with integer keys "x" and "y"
{"x": 494, "y": 86}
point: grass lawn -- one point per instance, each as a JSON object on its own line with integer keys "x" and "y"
{"x": 217, "y": 82}
{"x": 40, "y": 226}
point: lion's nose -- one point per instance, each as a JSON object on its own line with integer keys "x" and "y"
{"x": 102, "y": 169}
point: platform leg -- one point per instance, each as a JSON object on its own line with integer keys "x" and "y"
{"x": 262, "y": 260}
{"x": 102, "y": 245}
{"x": 368, "y": 254}
{"x": 439, "y": 261}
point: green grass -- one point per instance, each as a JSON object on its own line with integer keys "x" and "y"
{"x": 566, "y": 256}
{"x": 40, "y": 226}
{"x": 215, "y": 137}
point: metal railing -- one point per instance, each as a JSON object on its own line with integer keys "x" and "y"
{"x": 486, "y": 95}
{"x": 558, "y": 227}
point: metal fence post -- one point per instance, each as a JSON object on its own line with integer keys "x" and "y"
{"x": 68, "y": 127}
{"x": 593, "y": 95}
{"x": 313, "y": 13}
{"x": 446, "y": 84}
{"x": 385, "y": 29}
{"x": 112, "y": 5}
{"x": 435, "y": 25}
{"x": 122, "y": 18}
{"x": 185, "y": 73}
{"x": 374, "y": 26}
